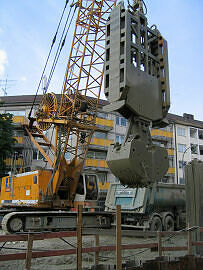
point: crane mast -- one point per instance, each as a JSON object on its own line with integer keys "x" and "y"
{"x": 74, "y": 118}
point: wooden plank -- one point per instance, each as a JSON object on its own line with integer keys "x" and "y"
{"x": 37, "y": 236}
{"x": 118, "y": 238}
{"x": 96, "y": 256}
{"x": 159, "y": 244}
{"x": 29, "y": 252}
{"x": 79, "y": 238}
{"x": 174, "y": 248}
{"x": 189, "y": 243}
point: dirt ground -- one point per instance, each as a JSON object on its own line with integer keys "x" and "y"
{"x": 69, "y": 261}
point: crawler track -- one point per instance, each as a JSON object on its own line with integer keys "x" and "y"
{"x": 16, "y": 222}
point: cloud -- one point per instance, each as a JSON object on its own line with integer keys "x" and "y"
{"x": 1, "y": 31}
{"x": 3, "y": 61}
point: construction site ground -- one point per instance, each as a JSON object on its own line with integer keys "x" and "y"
{"x": 69, "y": 261}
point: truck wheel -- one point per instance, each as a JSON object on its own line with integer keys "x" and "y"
{"x": 169, "y": 224}
{"x": 156, "y": 224}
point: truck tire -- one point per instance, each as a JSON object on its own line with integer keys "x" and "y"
{"x": 169, "y": 224}
{"x": 156, "y": 224}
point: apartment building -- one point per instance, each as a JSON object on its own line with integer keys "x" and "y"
{"x": 183, "y": 139}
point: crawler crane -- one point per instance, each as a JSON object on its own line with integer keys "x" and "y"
{"x": 51, "y": 192}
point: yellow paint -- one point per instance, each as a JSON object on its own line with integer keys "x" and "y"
{"x": 170, "y": 152}
{"x": 19, "y": 139}
{"x": 20, "y": 119}
{"x": 104, "y": 186}
{"x": 104, "y": 122}
{"x": 18, "y": 162}
{"x": 171, "y": 170}
{"x": 22, "y": 188}
{"x": 161, "y": 133}
{"x": 100, "y": 163}
{"x": 101, "y": 142}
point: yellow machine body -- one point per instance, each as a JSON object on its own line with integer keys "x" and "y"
{"x": 24, "y": 189}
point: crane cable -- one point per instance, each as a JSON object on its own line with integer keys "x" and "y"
{"x": 53, "y": 42}
{"x": 60, "y": 46}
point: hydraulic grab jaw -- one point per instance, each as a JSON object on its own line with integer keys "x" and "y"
{"x": 137, "y": 162}
{"x": 137, "y": 86}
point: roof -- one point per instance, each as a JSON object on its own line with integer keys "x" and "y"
{"x": 28, "y": 99}
{"x": 183, "y": 120}
{"x": 186, "y": 119}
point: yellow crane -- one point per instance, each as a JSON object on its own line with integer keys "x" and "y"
{"x": 73, "y": 118}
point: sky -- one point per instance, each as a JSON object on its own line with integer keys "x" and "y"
{"x": 27, "y": 28}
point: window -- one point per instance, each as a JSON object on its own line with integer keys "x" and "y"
{"x": 37, "y": 155}
{"x": 181, "y": 181}
{"x": 200, "y": 133}
{"x": 119, "y": 139}
{"x": 181, "y": 148}
{"x": 102, "y": 115}
{"x": 17, "y": 113}
{"x": 35, "y": 179}
{"x": 181, "y": 164}
{"x": 100, "y": 135}
{"x": 181, "y": 131}
{"x": 8, "y": 182}
{"x": 117, "y": 120}
{"x": 193, "y": 133}
{"x": 123, "y": 122}
{"x": 171, "y": 163}
{"x": 201, "y": 150}
{"x": 102, "y": 178}
{"x": 34, "y": 156}
{"x": 194, "y": 149}
{"x": 96, "y": 155}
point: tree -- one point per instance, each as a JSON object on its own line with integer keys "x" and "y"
{"x": 6, "y": 140}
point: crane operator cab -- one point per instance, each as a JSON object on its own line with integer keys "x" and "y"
{"x": 87, "y": 189}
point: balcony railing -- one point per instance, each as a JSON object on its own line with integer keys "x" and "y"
{"x": 170, "y": 152}
{"x": 18, "y": 162}
{"x": 104, "y": 123}
{"x": 19, "y": 140}
{"x": 96, "y": 163}
{"x": 171, "y": 171}
{"x": 100, "y": 142}
{"x": 161, "y": 133}
{"x": 20, "y": 120}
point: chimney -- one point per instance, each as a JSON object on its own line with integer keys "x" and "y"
{"x": 187, "y": 116}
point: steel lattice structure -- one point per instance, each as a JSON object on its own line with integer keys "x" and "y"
{"x": 74, "y": 116}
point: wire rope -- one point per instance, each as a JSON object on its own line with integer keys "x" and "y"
{"x": 47, "y": 60}
{"x": 60, "y": 46}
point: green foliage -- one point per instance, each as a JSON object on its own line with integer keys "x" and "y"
{"x": 6, "y": 140}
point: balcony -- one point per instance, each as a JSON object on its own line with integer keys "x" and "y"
{"x": 98, "y": 143}
{"x": 20, "y": 120}
{"x": 161, "y": 134}
{"x": 19, "y": 140}
{"x": 18, "y": 162}
{"x": 171, "y": 171}
{"x": 104, "y": 124}
{"x": 96, "y": 164}
{"x": 170, "y": 152}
